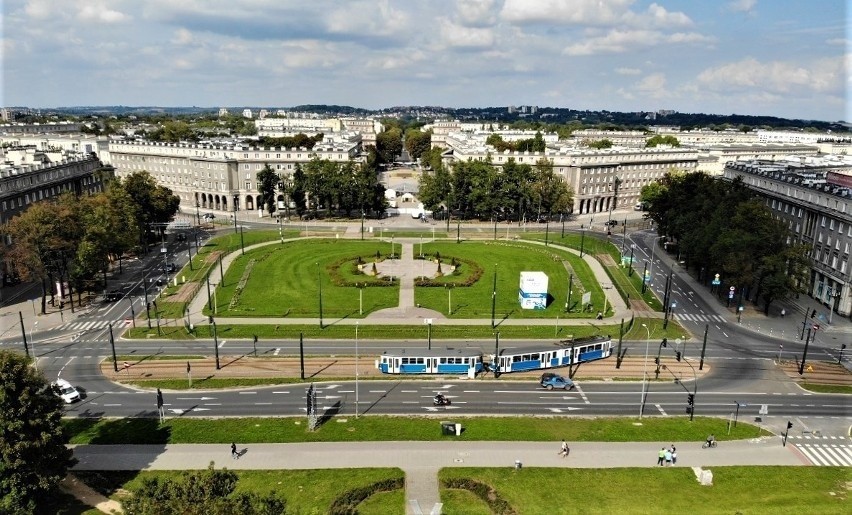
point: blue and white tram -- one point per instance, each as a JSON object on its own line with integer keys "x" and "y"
{"x": 435, "y": 361}
{"x": 518, "y": 359}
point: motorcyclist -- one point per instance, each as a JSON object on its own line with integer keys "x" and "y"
{"x": 440, "y": 399}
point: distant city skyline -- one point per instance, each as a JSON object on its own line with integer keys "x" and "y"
{"x": 782, "y": 58}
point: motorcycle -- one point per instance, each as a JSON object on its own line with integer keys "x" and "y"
{"x": 440, "y": 400}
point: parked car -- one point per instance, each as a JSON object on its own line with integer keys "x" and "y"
{"x": 550, "y": 381}
{"x": 68, "y": 393}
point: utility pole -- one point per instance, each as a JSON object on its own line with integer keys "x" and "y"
{"x": 215, "y": 341}
{"x": 112, "y": 346}
{"x": 24, "y": 334}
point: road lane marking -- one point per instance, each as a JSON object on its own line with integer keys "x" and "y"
{"x": 660, "y": 409}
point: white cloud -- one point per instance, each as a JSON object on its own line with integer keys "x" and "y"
{"x": 182, "y": 37}
{"x": 367, "y": 19}
{"x": 454, "y": 35}
{"x": 95, "y": 11}
{"x": 820, "y": 76}
{"x": 619, "y": 41}
{"x": 590, "y": 12}
{"x": 476, "y": 13}
{"x": 741, "y": 6}
{"x": 628, "y": 71}
{"x": 653, "y": 85}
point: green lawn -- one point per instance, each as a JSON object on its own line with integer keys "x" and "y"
{"x": 306, "y": 491}
{"x": 742, "y": 490}
{"x": 364, "y": 429}
{"x": 508, "y": 259}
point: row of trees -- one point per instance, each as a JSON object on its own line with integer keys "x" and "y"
{"x": 534, "y": 144}
{"x": 478, "y": 189}
{"x": 72, "y": 240}
{"x": 345, "y": 187}
{"x": 722, "y": 228}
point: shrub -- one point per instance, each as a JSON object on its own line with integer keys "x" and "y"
{"x": 347, "y": 503}
{"x": 485, "y": 492}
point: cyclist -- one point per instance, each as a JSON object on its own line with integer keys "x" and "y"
{"x": 711, "y": 440}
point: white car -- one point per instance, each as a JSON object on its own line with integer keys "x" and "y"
{"x": 68, "y": 393}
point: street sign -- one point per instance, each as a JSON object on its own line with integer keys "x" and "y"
{"x": 816, "y": 327}
{"x": 716, "y": 281}
{"x": 731, "y": 295}
{"x": 732, "y": 289}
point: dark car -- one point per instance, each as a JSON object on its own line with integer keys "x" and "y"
{"x": 168, "y": 268}
{"x": 180, "y": 237}
{"x": 113, "y": 296}
{"x": 611, "y": 223}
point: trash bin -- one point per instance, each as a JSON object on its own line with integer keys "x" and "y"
{"x": 448, "y": 428}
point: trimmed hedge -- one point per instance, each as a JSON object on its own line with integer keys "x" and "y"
{"x": 347, "y": 503}
{"x": 475, "y": 274}
{"x": 498, "y": 505}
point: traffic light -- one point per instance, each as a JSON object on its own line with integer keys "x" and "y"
{"x": 813, "y": 313}
{"x": 656, "y": 361}
{"x": 789, "y": 426}
{"x": 677, "y": 355}
{"x": 148, "y": 307}
{"x": 210, "y": 319}
{"x": 690, "y": 399}
{"x": 689, "y": 410}
{"x": 255, "y": 339}
{"x": 664, "y": 342}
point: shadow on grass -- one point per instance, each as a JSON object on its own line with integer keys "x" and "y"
{"x": 328, "y": 414}
{"x": 136, "y": 430}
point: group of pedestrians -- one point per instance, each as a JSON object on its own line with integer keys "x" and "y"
{"x": 667, "y": 457}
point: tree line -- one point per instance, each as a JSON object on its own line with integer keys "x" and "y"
{"x": 722, "y": 227}
{"x": 73, "y": 239}
{"x": 478, "y": 189}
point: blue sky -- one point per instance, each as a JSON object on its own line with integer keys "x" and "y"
{"x": 760, "y": 57}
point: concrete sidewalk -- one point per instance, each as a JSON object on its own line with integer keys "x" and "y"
{"x": 421, "y": 460}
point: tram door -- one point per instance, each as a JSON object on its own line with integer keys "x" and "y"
{"x": 396, "y": 362}
{"x": 431, "y": 366}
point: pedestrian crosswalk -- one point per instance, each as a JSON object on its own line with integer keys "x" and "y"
{"x": 827, "y": 453}
{"x": 85, "y": 326}
{"x": 699, "y": 318}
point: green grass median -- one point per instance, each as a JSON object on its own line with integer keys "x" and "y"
{"x": 379, "y": 428}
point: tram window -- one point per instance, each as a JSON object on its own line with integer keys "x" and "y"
{"x": 419, "y": 361}
{"x": 515, "y": 359}
{"x": 534, "y": 357}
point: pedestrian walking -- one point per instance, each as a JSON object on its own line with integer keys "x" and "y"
{"x": 668, "y": 456}
{"x": 783, "y": 312}
{"x": 564, "y": 450}
{"x": 661, "y": 457}
{"x": 234, "y": 453}
{"x": 674, "y": 455}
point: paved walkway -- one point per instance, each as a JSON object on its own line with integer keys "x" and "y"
{"x": 421, "y": 460}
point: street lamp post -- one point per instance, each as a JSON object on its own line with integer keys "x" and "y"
{"x": 236, "y": 199}
{"x": 833, "y": 295}
{"x": 630, "y": 264}
{"x": 582, "y": 240}
{"x": 32, "y": 343}
{"x": 644, "y": 372}
{"x": 494, "y": 297}
{"x": 197, "y": 214}
{"x": 319, "y": 284}
{"x": 428, "y": 322}
{"x": 356, "y": 369}
{"x": 644, "y": 277}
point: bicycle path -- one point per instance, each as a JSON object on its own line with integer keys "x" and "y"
{"x": 421, "y": 461}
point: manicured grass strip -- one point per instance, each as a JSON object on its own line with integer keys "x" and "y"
{"x": 384, "y": 332}
{"x": 827, "y": 388}
{"x": 370, "y": 429}
{"x": 752, "y": 490}
{"x": 306, "y": 491}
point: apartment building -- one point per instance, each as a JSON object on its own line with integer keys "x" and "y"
{"x": 24, "y": 184}
{"x": 220, "y": 177}
{"x": 590, "y": 173}
{"x": 814, "y": 197}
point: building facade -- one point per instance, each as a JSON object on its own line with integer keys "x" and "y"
{"x": 814, "y": 198}
{"x": 217, "y": 176}
{"x": 591, "y": 174}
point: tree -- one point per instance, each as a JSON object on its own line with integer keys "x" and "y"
{"x": 207, "y": 491}
{"x": 599, "y": 144}
{"x": 267, "y": 181}
{"x": 417, "y": 142}
{"x": 435, "y": 188}
{"x": 662, "y": 140}
{"x": 33, "y": 453}
{"x": 297, "y": 194}
{"x": 389, "y": 144}
{"x": 154, "y": 204}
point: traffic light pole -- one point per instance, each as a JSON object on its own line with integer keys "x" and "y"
{"x": 215, "y": 342}
{"x": 805, "y": 353}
